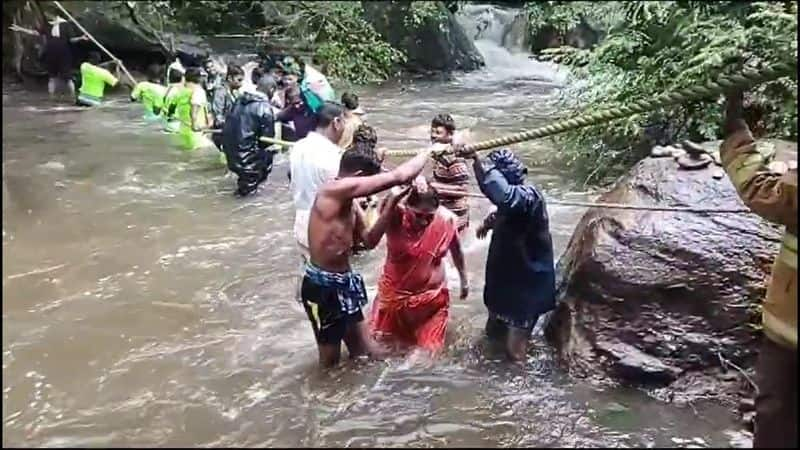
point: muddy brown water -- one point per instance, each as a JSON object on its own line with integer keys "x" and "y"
{"x": 143, "y": 305}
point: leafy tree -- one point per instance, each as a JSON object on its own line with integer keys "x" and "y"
{"x": 655, "y": 47}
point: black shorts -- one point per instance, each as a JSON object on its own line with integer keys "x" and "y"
{"x": 324, "y": 310}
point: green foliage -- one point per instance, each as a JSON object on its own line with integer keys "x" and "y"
{"x": 347, "y": 46}
{"x": 421, "y": 12}
{"x": 663, "y": 46}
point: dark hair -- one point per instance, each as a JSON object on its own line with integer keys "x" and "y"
{"x": 256, "y": 74}
{"x": 428, "y": 198}
{"x": 360, "y": 156}
{"x": 175, "y": 76}
{"x": 234, "y": 71}
{"x": 194, "y": 74}
{"x": 267, "y": 85}
{"x": 327, "y": 113}
{"x": 153, "y": 72}
{"x": 350, "y": 101}
{"x": 444, "y": 120}
{"x": 364, "y": 134}
{"x": 93, "y": 57}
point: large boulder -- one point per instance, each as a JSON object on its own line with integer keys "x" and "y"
{"x": 665, "y": 298}
{"x": 435, "y": 45}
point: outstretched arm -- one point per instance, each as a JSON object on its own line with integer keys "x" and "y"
{"x": 770, "y": 193}
{"x": 357, "y": 187}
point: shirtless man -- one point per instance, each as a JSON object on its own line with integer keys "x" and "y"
{"x": 331, "y": 293}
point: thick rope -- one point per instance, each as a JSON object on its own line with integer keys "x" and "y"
{"x": 689, "y": 209}
{"x": 748, "y": 78}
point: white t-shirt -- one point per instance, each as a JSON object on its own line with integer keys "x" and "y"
{"x": 314, "y": 160}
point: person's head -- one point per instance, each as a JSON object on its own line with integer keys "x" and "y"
{"x": 290, "y": 79}
{"x": 235, "y": 76}
{"x": 267, "y": 85}
{"x": 293, "y": 98}
{"x": 420, "y": 207}
{"x": 93, "y": 57}
{"x": 509, "y": 165}
{"x": 359, "y": 160}
{"x": 153, "y": 73}
{"x": 175, "y": 76}
{"x": 330, "y": 121}
{"x": 256, "y": 74}
{"x": 209, "y": 66}
{"x": 350, "y": 101}
{"x": 365, "y": 134}
{"x": 442, "y": 128}
{"x": 194, "y": 75}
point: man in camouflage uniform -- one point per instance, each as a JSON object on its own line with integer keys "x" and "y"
{"x": 769, "y": 188}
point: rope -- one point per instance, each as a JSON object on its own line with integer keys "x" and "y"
{"x": 117, "y": 60}
{"x": 748, "y": 77}
{"x": 688, "y": 209}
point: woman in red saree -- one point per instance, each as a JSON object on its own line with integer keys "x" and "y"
{"x": 412, "y": 305}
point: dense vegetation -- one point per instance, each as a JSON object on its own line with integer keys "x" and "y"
{"x": 333, "y": 34}
{"x": 654, "y": 47}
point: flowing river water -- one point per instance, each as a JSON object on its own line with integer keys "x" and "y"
{"x": 144, "y": 305}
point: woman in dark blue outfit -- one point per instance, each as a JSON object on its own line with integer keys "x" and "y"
{"x": 520, "y": 274}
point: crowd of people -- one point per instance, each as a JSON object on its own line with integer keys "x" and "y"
{"x": 336, "y": 167}
{"x": 336, "y": 172}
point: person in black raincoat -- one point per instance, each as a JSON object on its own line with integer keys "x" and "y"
{"x": 520, "y": 271}
{"x": 250, "y": 119}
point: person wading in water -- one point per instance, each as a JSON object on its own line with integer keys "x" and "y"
{"x": 93, "y": 81}
{"x": 413, "y": 301}
{"x": 331, "y": 293}
{"x": 450, "y": 173}
{"x": 520, "y": 271}
{"x": 250, "y": 119}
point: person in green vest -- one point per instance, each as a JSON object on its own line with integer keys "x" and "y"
{"x": 191, "y": 109}
{"x": 93, "y": 81}
{"x": 150, "y": 93}
{"x": 175, "y": 86}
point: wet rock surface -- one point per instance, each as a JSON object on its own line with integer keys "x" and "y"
{"x": 432, "y": 46}
{"x": 666, "y": 299}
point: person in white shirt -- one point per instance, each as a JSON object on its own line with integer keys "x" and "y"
{"x": 314, "y": 160}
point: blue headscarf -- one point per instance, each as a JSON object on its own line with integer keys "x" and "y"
{"x": 509, "y": 165}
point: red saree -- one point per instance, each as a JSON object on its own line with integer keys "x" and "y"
{"x": 411, "y": 308}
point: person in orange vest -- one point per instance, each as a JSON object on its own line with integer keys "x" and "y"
{"x": 769, "y": 188}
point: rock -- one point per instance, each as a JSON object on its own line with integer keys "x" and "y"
{"x": 747, "y": 404}
{"x": 694, "y": 161}
{"x": 673, "y": 287}
{"x": 438, "y": 46}
{"x": 634, "y": 366}
{"x": 692, "y": 148}
{"x": 660, "y": 151}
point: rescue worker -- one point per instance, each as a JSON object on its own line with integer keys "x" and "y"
{"x": 250, "y": 119}
{"x": 769, "y": 188}
{"x": 150, "y": 93}
{"x": 94, "y": 79}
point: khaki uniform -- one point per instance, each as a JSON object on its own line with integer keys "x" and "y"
{"x": 771, "y": 195}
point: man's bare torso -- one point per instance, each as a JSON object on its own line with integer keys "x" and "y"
{"x": 331, "y": 227}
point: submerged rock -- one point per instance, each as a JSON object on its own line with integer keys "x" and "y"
{"x": 438, "y": 45}
{"x": 656, "y": 298}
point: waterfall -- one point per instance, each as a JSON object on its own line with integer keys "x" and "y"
{"x": 502, "y": 36}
